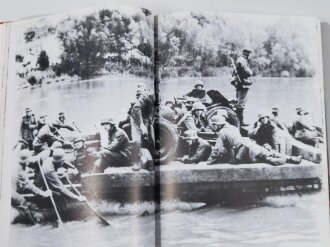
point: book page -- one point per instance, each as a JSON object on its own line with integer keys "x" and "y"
{"x": 242, "y": 130}
{"x": 79, "y": 130}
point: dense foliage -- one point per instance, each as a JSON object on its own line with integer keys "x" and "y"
{"x": 193, "y": 44}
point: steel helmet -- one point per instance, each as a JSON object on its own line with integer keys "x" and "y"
{"x": 56, "y": 145}
{"x": 275, "y": 108}
{"x": 262, "y": 114}
{"x": 198, "y": 106}
{"x": 218, "y": 120}
{"x": 199, "y": 83}
{"x": 246, "y": 51}
{"x": 108, "y": 120}
{"x": 79, "y": 139}
{"x": 299, "y": 108}
{"x": 24, "y": 155}
{"x": 58, "y": 155}
{"x": 190, "y": 135}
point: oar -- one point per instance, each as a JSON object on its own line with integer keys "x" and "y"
{"x": 103, "y": 220}
{"x": 60, "y": 222}
{"x": 76, "y": 126}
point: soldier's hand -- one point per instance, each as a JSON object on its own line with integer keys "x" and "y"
{"x": 144, "y": 129}
{"x": 46, "y": 193}
{"x": 82, "y": 198}
{"x": 203, "y": 163}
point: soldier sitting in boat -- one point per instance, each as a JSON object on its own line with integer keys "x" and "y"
{"x": 264, "y": 132}
{"x": 233, "y": 148}
{"x": 305, "y": 132}
{"x": 85, "y": 157}
{"x": 28, "y": 125}
{"x": 199, "y": 149}
{"x": 61, "y": 123}
{"x": 170, "y": 112}
{"x": 276, "y": 119}
{"x": 51, "y": 167}
{"x": 197, "y": 93}
{"x": 195, "y": 119}
{"x": 46, "y": 136}
{"x": 117, "y": 151}
{"x": 24, "y": 185}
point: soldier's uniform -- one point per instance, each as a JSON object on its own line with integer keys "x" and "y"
{"x": 277, "y": 120}
{"x": 242, "y": 82}
{"x": 232, "y": 147}
{"x": 118, "y": 151}
{"x": 193, "y": 122}
{"x": 199, "y": 94}
{"x": 304, "y": 132}
{"x": 49, "y": 168}
{"x": 199, "y": 150}
{"x": 264, "y": 134}
{"x": 142, "y": 114}
{"x": 28, "y": 125}
{"x": 45, "y": 138}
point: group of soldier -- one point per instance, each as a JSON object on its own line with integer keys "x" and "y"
{"x": 263, "y": 143}
{"x": 43, "y": 165}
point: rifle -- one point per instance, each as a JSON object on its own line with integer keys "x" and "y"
{"x": 235, "y": 70}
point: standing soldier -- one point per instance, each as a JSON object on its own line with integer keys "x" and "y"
{"x": 242, "y": 82}
{"x": 142, "y": 129}
{"x": 199, "y": 149}
{"x": 28, "y": 125}
{"x": 117, "y": 151}
{"x": 198, "y": 92}
{"x": 232, "y": 147}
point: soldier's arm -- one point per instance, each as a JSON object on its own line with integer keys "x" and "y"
{"x": 56, "y": 184}
{"x": 117, "y": 142}
{"x": 254, "y": 131}
{"x": 190, "y": 123}
{"x": 217, "y": 151}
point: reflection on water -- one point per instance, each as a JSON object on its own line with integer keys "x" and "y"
{"x": 275, "y": 221}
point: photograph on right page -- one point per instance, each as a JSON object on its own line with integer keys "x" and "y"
{"x": 241, "y": 130}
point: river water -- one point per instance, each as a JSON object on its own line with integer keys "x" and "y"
{"x": 274, "y": 221}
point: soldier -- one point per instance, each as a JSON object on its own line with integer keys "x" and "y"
{"x": 170, "y": 112}
{"x": 242, "y": 82}
{"x": 61, "y": 123}
{"x": 50, "y": 169}
{"x": 233, "y": 148}
{"x": 85, "y": 157}
{"x": 197, "y": 93}
{"x": 142, "y": 128}
{"x": 117, "y": 152}
{"x": 264, "y": 132}
{"x": 41, "y": 122}
{"x": 28, "y": 125}
{"x": 305, "y": 132}
{"x": 275, "y": 118}
{"x": 46, "y": 136}
{"x": 199, "y": 149}
{"x": 23, "y": 185}
{"x": 195, "y": 119}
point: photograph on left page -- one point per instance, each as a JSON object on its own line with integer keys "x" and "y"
{"x": 79, "y": 129}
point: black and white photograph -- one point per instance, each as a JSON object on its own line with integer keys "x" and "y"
{"x": 124, "y": 127}
{"x": 242, "y": 129}
{"x": 82, "y": 124}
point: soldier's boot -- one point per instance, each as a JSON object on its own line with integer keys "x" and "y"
{"x": 275, "y": 161}
{"x": 240, "y": 115}
{"x": 294, "y": 159}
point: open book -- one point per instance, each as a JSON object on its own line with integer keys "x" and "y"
{"x": 183, "y": 129}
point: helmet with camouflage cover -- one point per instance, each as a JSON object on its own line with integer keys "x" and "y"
{"x": 108, "y": 120}
{"x": 58, "y": 155}
{"x": 24, "y": 155}
{"x": 262, "y": 115}
{"x": 218, "y": 120}
{"x": 198, "y": 106}
{"x": 199, "y": 83}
